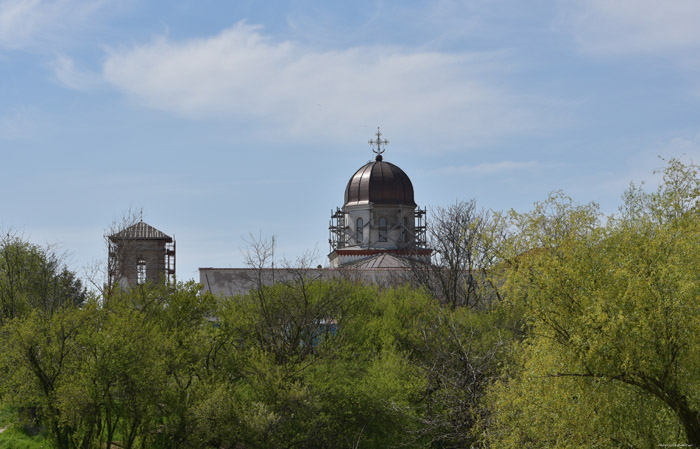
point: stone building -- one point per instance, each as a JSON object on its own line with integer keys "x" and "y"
{"x": 379, "y": 216}
{"x": 378, "y": 229}
{"x": 138, "y": 254}
{"x": 371, "y": 236}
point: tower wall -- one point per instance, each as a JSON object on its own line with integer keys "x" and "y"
{"x": 140, "y": 261}
{"x": 141, "y": 254}
{"x": 396, "y": 236}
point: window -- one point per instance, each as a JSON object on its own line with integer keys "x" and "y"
{"x": 141, "y": 272}
{"x": 382, "y": 229}
{"x": 359, "y": 230}
{"x": 404, "y": 230}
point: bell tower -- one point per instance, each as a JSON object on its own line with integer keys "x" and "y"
{"x": 139, "y": 254}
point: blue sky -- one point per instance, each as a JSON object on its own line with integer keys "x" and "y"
{"x": 219, "y": 119}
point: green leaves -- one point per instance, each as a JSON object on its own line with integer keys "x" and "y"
{"x": 32, "y": 277}
{"x": 591, "y": 339}
{"x": 613, "y": 324}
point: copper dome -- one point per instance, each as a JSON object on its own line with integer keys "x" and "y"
{"x": 379, "y": 182}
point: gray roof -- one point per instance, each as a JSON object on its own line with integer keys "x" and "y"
{"x": 378, "y": 261}
{"x": 140, "y": 231}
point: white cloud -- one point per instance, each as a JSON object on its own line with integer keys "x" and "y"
{"x": 298, "y": 90}
{"x": 34, "y": 24}
{"x": 632, "y": 26}
{"x": 67, "y": 74}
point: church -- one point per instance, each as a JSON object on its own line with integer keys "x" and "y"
{"x": 371, "y": 237}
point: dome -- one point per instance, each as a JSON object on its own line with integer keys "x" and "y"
{"x": 379, "y": 182}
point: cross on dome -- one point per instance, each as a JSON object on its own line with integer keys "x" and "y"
{"x": 378, "y": 145}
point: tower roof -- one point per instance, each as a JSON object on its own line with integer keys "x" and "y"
{"x": 140, "y": 231}
{"x": 379, "y": 182}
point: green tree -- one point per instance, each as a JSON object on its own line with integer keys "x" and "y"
{"x": 124, "y": 369}
{"x": 38, "y": 301}
{"x": 613, "y": 326}
{"x": 32, "y": 277}
{"x": 189, "y": 353}
{"x": 36, "y": 353}
{"x": 317, "y": 364}
{"x": 114, "y": 387}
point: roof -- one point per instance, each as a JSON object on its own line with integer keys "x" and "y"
{"x": 379, "y": 182}
{"x": 140, "y": 231}
{"x": 375, "y": 261}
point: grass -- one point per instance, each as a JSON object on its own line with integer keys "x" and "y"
{"x": 7, "y": 416}
{"x": 14, "y": 437}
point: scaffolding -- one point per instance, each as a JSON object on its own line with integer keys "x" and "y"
{"x": 337, "y": 230}
{"x": 419, "y": 216}
{"x": 170, "y": 261}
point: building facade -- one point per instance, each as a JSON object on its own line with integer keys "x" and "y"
{"x": 139, "y": 254}
{"x": 379, "y": 216}
{"x": 371, "y": 236}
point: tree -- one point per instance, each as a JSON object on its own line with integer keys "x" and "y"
{"x": 611, "y": 356}
{"x": 465, "y": 245}
{"x": 318, "y": 364}
{"x": 32, "y": 277}
{"x": 124, "y": 369}
{"x": 458, "y": 354}
{"x": 39, "y": 300}
{"x": 36, "y": 356}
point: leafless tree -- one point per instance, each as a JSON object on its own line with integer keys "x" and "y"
{"x": 465, "y": 244}
{"x": 259, "y": 255}
{"x": 460, "y": 360}
{"x": 101, "y": 274}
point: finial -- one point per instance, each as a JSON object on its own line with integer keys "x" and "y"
{"x": 378, "y": 145}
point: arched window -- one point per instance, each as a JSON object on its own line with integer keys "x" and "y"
{"x": 359, "y": 230}
{"x": 141, "y": 272}
{"x": 382, "y": 229}
{"x": 404, "y": 230}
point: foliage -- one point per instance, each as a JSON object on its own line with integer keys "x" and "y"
{"x": 611, "y": 354}
{"x": 306, "y": 363}
{"x": 32, "y": 277}
{"x": 561, "y": 328}
{"x": 322, "y": 365}
{"x": 97, "y": 373}
{"x": 15, "y": 438}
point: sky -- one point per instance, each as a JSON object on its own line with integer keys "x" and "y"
{"x": 220, "y": 120}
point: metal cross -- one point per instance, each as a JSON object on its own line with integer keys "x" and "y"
{"x": 378, "y": 143}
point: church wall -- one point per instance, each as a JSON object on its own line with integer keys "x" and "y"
{"x": 229, "y": 282}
